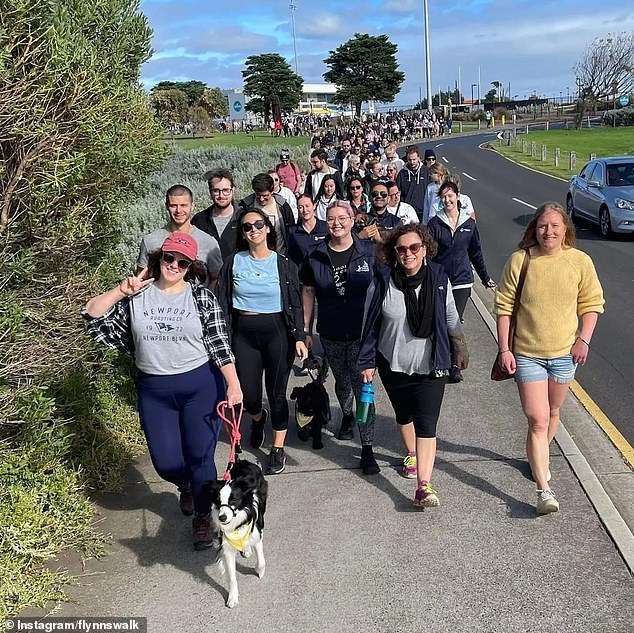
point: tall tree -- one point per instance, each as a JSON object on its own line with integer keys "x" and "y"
{"x": 193, "y": 89}
{"x": 364, "y": 68}
{"x": 605, "y": 70}
{"x": 267, "y": 75}
{"x": 170, "y": 106}
{"x": 214, "y": 102}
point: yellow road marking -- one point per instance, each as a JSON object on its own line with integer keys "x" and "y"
{"x": 603, "y": 421}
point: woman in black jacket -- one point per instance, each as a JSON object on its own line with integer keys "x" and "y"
{"x": 259, "y": 294}
{"x": 458, "y": 239}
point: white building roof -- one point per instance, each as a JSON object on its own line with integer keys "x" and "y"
{"x": 322, "y": 88}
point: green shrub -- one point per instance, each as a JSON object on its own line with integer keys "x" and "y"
{"x": 76, "y": 141}
{"x": 187, "y": 168}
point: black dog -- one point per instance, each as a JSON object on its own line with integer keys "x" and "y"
{"x": 312, "y": 403}
{"x": 237, "y": 512}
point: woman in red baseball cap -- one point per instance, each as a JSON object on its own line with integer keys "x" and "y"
{"x": 173, "y": 327}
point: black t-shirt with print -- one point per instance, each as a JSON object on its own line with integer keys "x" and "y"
{"x": 340, "y": 261}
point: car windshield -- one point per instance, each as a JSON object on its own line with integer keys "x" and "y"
{"x": 621, "y": 175}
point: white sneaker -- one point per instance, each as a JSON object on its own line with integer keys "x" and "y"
{"x": 546, "y": 502}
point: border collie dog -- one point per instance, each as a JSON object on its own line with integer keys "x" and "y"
{"x": 237, "y": 512}
{"x": 312, "y": 404}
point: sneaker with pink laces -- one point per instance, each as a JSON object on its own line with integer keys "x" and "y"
{"x": 426, "y": 496}
{"x": 409, "y": 466}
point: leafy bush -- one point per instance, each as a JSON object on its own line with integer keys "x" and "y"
{"x": 76, "y": 140}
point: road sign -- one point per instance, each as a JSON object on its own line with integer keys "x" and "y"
{"x": 624, "y": 100}
{"x": 237, "y": 106}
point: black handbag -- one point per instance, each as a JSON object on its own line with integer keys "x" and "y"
{"x": 497, "y": 373}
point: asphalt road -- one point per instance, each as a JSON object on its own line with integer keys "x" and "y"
{"x": 504, "y": 197}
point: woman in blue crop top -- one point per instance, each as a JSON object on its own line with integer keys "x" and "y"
{"x": 259, "y": 293}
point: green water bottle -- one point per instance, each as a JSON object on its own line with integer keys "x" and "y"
{"x": 366, "y": 403}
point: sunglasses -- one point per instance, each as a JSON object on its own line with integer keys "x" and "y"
{"x": 430, "y": 160}
{"x": 183, "y": 264}
{"x": 356, "y": 188}
{"x": 249, "y": 226}
{"x": 414, "y": 248}
{"x": 379, "y": 194}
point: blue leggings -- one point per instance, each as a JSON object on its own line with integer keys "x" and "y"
{"x": 178, "y": 417}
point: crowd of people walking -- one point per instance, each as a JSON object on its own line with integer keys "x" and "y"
{"x": 369, "y": 251}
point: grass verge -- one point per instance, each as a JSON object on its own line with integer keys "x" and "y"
{"x": 599, "y": 141}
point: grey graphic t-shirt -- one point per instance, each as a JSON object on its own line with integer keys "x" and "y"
{"x": 167, "y": 332}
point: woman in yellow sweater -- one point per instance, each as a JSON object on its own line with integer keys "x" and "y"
{"x": 558, "y": 310}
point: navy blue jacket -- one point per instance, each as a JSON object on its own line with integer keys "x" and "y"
{"x": 458, "y": 250}
{"x": 413, "y": 186}
{"x": 441, "y": 355}
{"x": 341, "y": 318}
{"x": 301, "y": 243}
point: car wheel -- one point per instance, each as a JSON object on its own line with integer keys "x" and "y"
{"x": 605, "y": 226}
{"x": 570, "y": 208}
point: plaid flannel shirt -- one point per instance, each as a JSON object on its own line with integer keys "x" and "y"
{"x": 113, "y": 329}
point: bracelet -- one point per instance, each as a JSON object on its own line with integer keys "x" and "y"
{"x": 503, "y": 351}
{"x": 583, "y": 341}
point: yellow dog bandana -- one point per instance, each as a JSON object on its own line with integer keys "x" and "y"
{"x": 238, "y": 538}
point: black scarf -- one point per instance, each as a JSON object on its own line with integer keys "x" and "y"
{"x": 419, "y": 310}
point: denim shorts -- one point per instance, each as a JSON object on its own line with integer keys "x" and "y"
{"x": 529, "y": 369}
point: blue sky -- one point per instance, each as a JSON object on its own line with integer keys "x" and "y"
{"x": 533, "y": 45}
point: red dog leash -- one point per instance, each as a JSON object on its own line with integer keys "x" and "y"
{"x": 232, "y": 424}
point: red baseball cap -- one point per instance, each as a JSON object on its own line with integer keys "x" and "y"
{"x": 181, "y": 243}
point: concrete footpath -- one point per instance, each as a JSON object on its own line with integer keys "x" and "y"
{"x": 348, "y": 553}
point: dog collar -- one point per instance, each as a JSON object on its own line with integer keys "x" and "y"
{"x": 238, "y": 538}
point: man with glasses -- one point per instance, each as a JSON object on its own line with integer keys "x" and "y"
{"x": 429, "y": 158}
{"x": 319, "y": 161}
{"x": 289, "y": 173}
{"x": 276, "y": 208}
{"x": 403, "y": 211}
{"x": 379, "y": 218}
{"x": 219, "y": 220}
{"x": 179, "y": 204}
{"x": 413, "y": 179}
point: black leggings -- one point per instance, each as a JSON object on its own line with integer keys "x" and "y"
{"x": 416, "y": 398}
{"x": 261, "y": 344}
{"x": 460, "y": 297}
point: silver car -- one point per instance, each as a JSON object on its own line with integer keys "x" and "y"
{"x": 603, "y": 193}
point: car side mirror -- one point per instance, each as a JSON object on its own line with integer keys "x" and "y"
{"x": 594, "y": 183}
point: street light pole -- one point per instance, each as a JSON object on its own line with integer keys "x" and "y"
{"x": 427, "y": 56}
{"x": 472, "y": 87}
{"x": 292, "y": 7}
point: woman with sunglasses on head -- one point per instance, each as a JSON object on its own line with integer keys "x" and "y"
{"x": 459, "y": 249}
{"x": 338, "y": 273}
{"x": 413, "y": 335}
{"x": 259, "y": 293}
{"x": 175, "y": 330}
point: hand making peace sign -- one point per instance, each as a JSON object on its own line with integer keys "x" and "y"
{"x": 135, "y": 283}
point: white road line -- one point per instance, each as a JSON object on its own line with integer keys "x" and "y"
{"x": 524, "y": 203}
{"x": 439, "y": 145}
{"x": 445, "y": 159}
{"x": 464, "y": 173}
